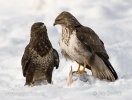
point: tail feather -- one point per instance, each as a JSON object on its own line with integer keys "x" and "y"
{"x": 110, "y": 67}
{"x": 102, "y": 69}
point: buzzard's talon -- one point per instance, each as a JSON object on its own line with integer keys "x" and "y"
{"x": 30, "y": 84}
{"x": 81, "y": 71}
{"x": 78, "y": 70}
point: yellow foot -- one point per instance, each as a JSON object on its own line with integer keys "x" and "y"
{"x": 30, "y": 85}
{"x": 81, "y": 71}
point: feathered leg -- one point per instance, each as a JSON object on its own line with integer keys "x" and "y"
{"x": 49, "y": 76}
{"x": 30, "y": 75}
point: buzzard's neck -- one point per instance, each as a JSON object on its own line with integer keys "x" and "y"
{"x": 41, "y": 44}
{"x": 67, "y": 31}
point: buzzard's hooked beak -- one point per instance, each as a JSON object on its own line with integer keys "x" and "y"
{"x": 54, "y": 23}
{"x": 42, "y": 26}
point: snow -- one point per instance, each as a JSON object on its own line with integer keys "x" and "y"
{"x": 110, "y": 19}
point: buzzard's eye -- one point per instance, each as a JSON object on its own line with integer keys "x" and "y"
{"x": 58, "y": 19}
{"x": 36, "y": 27}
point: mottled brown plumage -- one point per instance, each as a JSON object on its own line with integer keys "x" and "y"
{"x": 81, "y": 44}
{"x": 39, "y": 57}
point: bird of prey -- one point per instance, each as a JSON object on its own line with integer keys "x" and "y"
{"x": 81, "y": 44}
{"x": 39, "y": 57}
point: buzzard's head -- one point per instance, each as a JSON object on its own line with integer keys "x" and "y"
{"x": 66, "y": 19}
{"x": 38, "y": 27}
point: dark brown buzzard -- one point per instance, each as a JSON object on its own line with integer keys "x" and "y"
{"x": 39, "y": 57}
{"x": 81, "y": 44}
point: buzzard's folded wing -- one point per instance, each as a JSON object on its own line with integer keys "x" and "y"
{"x": 25, "y": 60}
{"x": 56, "y": 58}
{"x": 102, "y": 69}
{"x": 91, "y": 41}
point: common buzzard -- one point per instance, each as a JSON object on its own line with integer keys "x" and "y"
{"x": 81, "y": 44}
{"x": 39, "y": 57}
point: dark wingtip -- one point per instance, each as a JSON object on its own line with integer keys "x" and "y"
{"x": 56, "y": 58}
{"x": 110, "y": 67}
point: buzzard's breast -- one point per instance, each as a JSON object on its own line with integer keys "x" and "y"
{"x": 42, "y": 64}
{"x": 74, "y": 48}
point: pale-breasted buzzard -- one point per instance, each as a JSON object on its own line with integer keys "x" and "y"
{"x": 39, "y": 57}
{"x": 81, "y": 44}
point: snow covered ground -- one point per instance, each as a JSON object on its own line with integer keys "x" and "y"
{"x": 111, "y": 20}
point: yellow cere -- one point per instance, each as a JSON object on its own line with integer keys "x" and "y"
{"x": 43, "y": 26}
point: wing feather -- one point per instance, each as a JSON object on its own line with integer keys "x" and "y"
{"x": 56, "y": 58}
{"x": 25, "y": 60}
{"x": 91, "y": 41}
